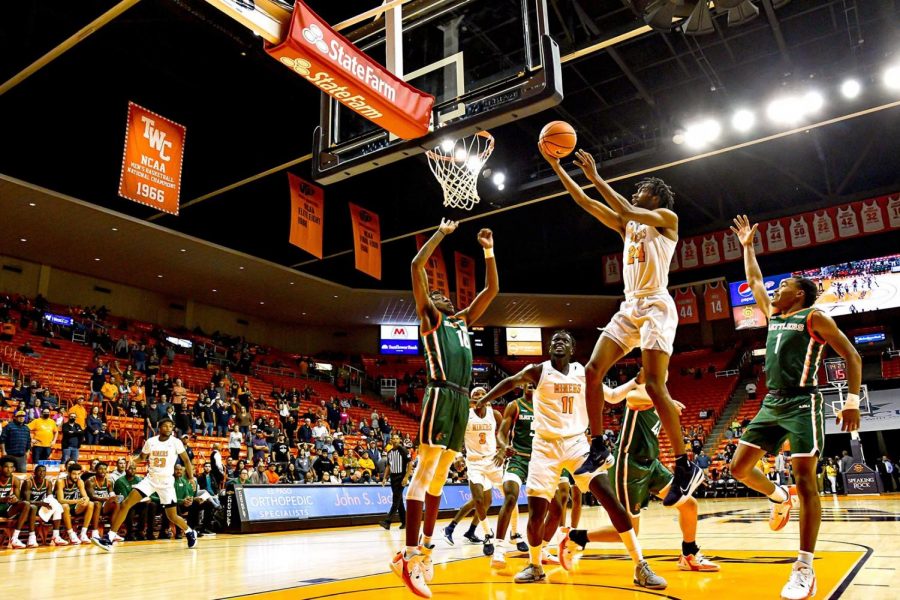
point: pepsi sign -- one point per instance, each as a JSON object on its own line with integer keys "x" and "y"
{"x": 742, "y": 294}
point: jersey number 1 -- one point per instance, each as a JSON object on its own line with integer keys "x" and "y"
{"x": 463, "y": 338}
{"x": 568, "y": 404}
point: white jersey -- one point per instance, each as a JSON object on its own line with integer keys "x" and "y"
{"x": 481, "y": 437}
{"x": 711, "y": 250}
{"x": 775, "y": 236}
{"x": 731, "y": 246}
{"x": 689, "y": 254}
{"x": 799, "y": 233}
{"x": 163, "y": 455}
{"x": 871, "y": 217}
{"x": 823, "y": 228}
{"x": 646, "y": 260}
{"x": 847, "y": 224}
{"x": 611, "y": 270}
{"x": 560, "y": 409}
{"x": 893, "y": 211}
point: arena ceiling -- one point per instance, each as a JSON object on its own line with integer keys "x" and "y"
{"x": 62, "y": 129}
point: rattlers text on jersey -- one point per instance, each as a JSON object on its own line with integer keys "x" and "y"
{"x": 559, "y": 403}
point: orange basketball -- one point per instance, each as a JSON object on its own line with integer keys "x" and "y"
{"x": 558, "y": 139}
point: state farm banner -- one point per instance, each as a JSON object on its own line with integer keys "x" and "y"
{"x": 805, "y": 230}
{"x": 366, "y": 240}
{"x": 151, "y": 162}
{"x": 307, "y": 212}
{"x": 333, "y": 64}
{"x": 465, "y": 280}
{"x": 436, "y": 268}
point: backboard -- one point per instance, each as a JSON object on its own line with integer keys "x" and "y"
{"x": 486, "y": 62}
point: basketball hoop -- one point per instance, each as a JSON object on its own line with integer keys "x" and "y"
{"x": 456, "y": 166}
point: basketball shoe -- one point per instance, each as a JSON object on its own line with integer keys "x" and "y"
{"x": 646, "y": 578}
{"x": 686, "y": 480}
{"x": 530, "y": 574}
{"x": 781, "y": 511}
{"x": 411, "y": 571}
{"x": 517, "y": 540}
{"x": 802, "y": 583}
{"x": 696, "y": 562}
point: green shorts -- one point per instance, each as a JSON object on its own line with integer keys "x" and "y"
{"x": 636, "y": 480}
{"x": 518, "y": 467}
{"x": 4, "y": 510}
{"x": 445, "y": 414}
{"x": 565, "y": 476}
{"x": 798, "y": 419}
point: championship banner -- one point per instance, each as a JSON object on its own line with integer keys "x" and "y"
{"x": 151, "y": 162}
{"x": 307, "y": 211}
{"x": 366, "y": 240}
{"x": 805, "y": 230}
{"x": 436, "y": 268}
{"x": 333, "y": 64}
{"x": 465, "y": 280}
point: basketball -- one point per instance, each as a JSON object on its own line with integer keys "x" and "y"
{"x": 558, "y": 139}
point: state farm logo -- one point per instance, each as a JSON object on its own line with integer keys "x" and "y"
{"x": 297, "y": 64}
{"x": 313, "y": 34}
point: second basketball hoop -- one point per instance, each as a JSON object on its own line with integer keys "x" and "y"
{"x": 456, "y": 165}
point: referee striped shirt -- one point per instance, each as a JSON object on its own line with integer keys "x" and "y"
{"x": 397, "y": 459}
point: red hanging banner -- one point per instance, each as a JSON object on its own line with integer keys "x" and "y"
{"x": 333, "y": 64}
{"x": 686, "y": 303}
{"x": 715, "y": 299}
{"x": 465, "y": 280}
{"x": 436, "y": 268}
{"x": 307, "y": 212}
{"x": 366, "y": 240}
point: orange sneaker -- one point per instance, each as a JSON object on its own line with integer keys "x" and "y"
{"x": 781, "y": 511}
{"x": 411, "y": 572}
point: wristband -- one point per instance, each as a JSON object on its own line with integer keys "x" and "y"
{"x": 488, "y": 253}
{"x": 852, "y": 402}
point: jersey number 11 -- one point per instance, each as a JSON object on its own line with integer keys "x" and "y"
{"x": 568, "y": 404}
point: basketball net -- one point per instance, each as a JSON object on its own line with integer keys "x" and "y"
{"x": 456, "y": 166}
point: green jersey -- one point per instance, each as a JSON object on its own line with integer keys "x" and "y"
{"x": 640, "y": 434}
{"x": 522, "y": 433}
{"x": 448, "y": 354}
{"x": 124, "y": 485}
{"x": 183, "y": 489}
{"x": 793, "y": 351}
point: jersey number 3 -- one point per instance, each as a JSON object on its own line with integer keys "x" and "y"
{"x": 482, "y": 438}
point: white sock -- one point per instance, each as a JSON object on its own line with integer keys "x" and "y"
{"x": 84, "y": 531}
{"x": 56, "y": 533}
{"x": 95, "y": 533}
{"x": 15, "y": 534}
{"x": 426, "y": 540}
{"x": 779, "y": 495}
{"x": 534, "y": 554}
{"x": 71, "y": 532}
{"x": 632, "y": 545}
{"x": 806, "y": 558}
{"x": 410, "y": 550}
{"x": 485, "y": 528}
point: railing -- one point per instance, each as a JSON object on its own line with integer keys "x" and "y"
{"x": 727, "y": 373}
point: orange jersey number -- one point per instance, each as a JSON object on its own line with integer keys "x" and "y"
{"x": 158, "y": 462}
{"x": 482, "y": 438}
{"x": 568, "y": 404}
{"x": 636, "y": 253}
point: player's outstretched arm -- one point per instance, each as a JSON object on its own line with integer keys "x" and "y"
{"x": 745, "y": 233}
{"x": 503, "y": 430}
{"x": 530, "y": 374}
{"x": 827, "y": 330}
{"x": 491, "y": 283}
{"x": 596, "y": 209}
{"x": 424, "y": 307}
{"x": 617, "y": 394}
{"x": 625, "y": 210}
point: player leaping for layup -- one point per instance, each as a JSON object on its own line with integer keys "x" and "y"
{"x": 646, "y": 318}
{"x": 445, "y": 408}
{"x": 161, "y": 451}
{"x": 792, "y": 409}
{"x": 560, "y": 421}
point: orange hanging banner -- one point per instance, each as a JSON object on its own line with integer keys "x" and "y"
{"x": 465, "y": 280}
{"x": 366, "y": 240}
{"x": 307, "y": 212}
{"x": 151, "y": 162}
{"x": 436, "y": 269}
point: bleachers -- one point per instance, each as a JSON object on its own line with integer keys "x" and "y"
{"x": 890, "y": 367}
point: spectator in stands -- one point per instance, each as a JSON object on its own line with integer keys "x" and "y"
{"x": 323, "y": 467}
{"x": 107, "y": 437}
{"x": 272, "y": 475}
{"x": 846, "y": 461}
{"x": 119, "y": 471}
{"x": 304, "y": 434}
{"x": 80, "y": 412}
{"x": 781, "y": 469}
{"x": 96, "y": 383}
{"x": 15, "y": 441}
{"x": 94, "y": 423}
{"x": 122, "y": 487}
{"x": 207, "y": 481}
{"x": 750, "y": 388}
{"x": 33, "y": 411}
{"x": 259, "y": 474}
{"x": 364, "y": 428}
{"x": 327, "y": 446}
{"x": 152, "y": 366}
{"x": 281, "y": 452}
{"x": 334, "y": 415}
{"x": 729, "y": 434}
{"x": 259, "y": 445}
{"x": 291, "y": 475}
{"x": 366, "y": 463}
{"x": 831, "y": 474}
{"x": 319, "y": 433}
{"x": 45, "y": 433}
{"x": 703, "y": 462}
{"x": 18, "y": 393}
{"x": 72, "y": 435}
{"x": 27, "y": 350}
{"x": 242, "y": 478}
{"x": 235, "y": 442}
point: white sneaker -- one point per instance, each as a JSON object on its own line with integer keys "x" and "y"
{"x": 73, "y": 538}
{"x": 58, "y": 541}
{"x": 498, "y": 558}
{"x": 32, "y": 540}
{"x": 115, "y": 537}
{"x": 15, "y": 543}
{"x": 84, "y": 539}
{"x": 696, "y": 562}
{"x": 547, "y": 558}
{"x": 802, "y": 583}
{"x": 411, "y": 572}
{"x": 427, "y": 564}
{"x": 95, "y": 534}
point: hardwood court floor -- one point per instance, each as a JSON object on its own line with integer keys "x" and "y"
{"x": 857, "y": 557}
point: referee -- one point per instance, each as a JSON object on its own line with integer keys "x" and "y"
{"x": 397, "y": 469}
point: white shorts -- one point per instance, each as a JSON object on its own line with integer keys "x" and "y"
{"x": 510, "y": 476}
{"x": 166, "y": 491}
{"x": 548, "y": 459}
{"x": 487, "y": 476}
{"x": 648, "y": 322}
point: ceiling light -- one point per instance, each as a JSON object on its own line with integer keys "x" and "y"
{"x": 97, "y": 260}
{"x": 115, "y": 228}
{"x": 700, "y": 134}
{"x": 851, "y": 88}
{"x": 743, "y": 119}
{"x": 447, "y": 145}
{"x": 292, "y": 283}
{"x": 812, "y": 102}
{"x": 474, "y": 164}
{"x": 303, "y": 313}
{"x": 366, "y": 317}
{"x": 460, "y": 155}
{"x": 215, "y": 290}
{"x": 570, "y": 320}
{"x": 261, "y": 302}
{"x": 241, "y": 268}
{"x": 785, "y": 110}
{"x": 159, "y": 276}
{"x": 892, "y": 77}
{"x": 678, "y": 138}
{"x": 335, "y": 296}
{"x": 498, "y": 178}
{"x": 22, "y": 240}
{"x": 501, "y": 187}
{"x": 32, "y": 204}
{"x": 184, "y": 249}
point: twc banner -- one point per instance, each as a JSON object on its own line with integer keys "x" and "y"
{"x": 366, "y": 241}
{"x": 805, "y": 230}
{"x": 151, "y": 161}
{"x": 285, "y": 502}
{"x": 333, "y": 64}
{"x": 465, "y": 280}
{"x": 436, "y": 269}
{"x": 307, "y": 211}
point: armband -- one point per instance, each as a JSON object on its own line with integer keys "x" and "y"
{"x": 488, "y": 253}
